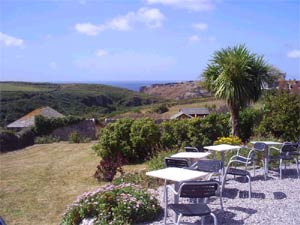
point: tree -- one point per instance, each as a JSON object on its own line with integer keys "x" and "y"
{"x": 236, "y": 76}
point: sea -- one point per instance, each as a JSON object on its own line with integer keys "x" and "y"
{"x": 131, "y": 85}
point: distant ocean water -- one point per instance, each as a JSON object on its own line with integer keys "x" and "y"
{"x": 131, "y": 85}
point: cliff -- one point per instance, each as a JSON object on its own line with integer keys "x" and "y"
{"x": 180, "y": 90}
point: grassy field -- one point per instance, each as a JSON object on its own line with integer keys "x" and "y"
{"x": 11, "y": 86}
{"x": 38, "y": 183}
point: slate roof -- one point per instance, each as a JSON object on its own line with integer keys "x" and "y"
{"x": 193, "y": 111}
{"x": 28, "y": 119}
{"x": 177, "y": 115}
{"x": 190, "y": 112}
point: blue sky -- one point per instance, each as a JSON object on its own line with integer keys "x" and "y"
{"x": 127, "y": 40}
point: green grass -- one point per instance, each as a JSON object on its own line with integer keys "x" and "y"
{"x": 27, "y": 87}
{"x": 38, "y": 183}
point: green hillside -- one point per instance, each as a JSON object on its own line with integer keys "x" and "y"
{"x": 90, "y": 100}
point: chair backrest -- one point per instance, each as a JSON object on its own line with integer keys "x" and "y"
{"x": 209, "y": 165}
{"x": 172, "y": 162}
{"x": 260, "y": 146}
{"x": 199, "y": 189}
{"x": 288, "y": 147}
{"x": 191, "y": 149}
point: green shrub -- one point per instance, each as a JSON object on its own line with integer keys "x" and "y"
{"x": 158, "y": 161}
{"x": 281, "y": 116}
{"x": 122, "y": 204}
{"x": 144, "y": 137}
{"x": 139, "y": 178}
{"x": 174, "y": 133}
{"x": 74, "y": 137}
{"x": 204, "y": 131}
{"x": 115, "y": 138}
{"x": 46, "y": 139}
{"x": 249, "y": 118}
{"x": 162, "y": 108}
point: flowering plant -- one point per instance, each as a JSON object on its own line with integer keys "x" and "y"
{"x": 121, "y": 204}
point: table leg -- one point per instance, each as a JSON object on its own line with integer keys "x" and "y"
{"x": 223, "y": 161}
{"x": 176, "y": 198}
{"x": 166, "y": 203}
{"x": 267, "y": 163}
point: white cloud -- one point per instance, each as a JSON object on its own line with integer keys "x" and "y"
{"x": 10, "y": 41}
{"x": 194, "y": 38}
{"x": 294, "y": 54}
{"x": 150, "y": 17}
{"x": 101, "y": 52}
{"x": 191, "y": 5}
{"x": 53, "y": 65}
{"x": 200, "y": 26}
{"x": 87, "y": 28}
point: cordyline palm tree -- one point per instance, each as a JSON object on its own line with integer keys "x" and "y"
{"x": 236, "y": 76}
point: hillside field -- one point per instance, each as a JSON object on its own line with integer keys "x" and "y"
{"x": 38, "y": 183}
{"x": 87, "y": 100}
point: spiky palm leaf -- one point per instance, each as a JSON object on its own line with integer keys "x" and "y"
{"x": 237, "y": 76}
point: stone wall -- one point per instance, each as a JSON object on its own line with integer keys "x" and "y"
{"x": 10, "y": 141}
{"x": 85, "y": 128}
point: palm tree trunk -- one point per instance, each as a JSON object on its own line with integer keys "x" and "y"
{"x": 235, "y": 131}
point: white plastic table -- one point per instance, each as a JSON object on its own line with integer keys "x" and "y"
{"x": 269, "y": 143}
{"x": 191, "y": 155}
{"x": 222, "y": 148}
{"x": 177, "y": 175}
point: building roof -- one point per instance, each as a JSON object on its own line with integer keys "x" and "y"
{"x": 194, "y": 111}
{"x": 177, "y": 115}
{"x": 28, "y": 119}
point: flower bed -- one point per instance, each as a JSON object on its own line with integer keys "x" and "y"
{"x": 121, "y": 204}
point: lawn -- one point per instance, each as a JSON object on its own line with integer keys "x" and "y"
{"x": 38, "y": 183}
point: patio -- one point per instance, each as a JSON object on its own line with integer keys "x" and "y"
{"x": 274, "y": 201}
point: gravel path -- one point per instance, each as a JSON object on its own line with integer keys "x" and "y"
{"x": 274, "y": 201}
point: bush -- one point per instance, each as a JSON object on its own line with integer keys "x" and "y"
{"x": 74, "y": 137}
{"x": 108, "y": 168}
{"x": 162, "y": 108}
{"x": 204, "y": 131}
{"x": 139, "y": 178}
{"x": 46, "y": 139}
{"x": 122, "y": 204}
{"x": 281, "y": 116}
{"x": 249, "y": 118}
{"x": 115, "y": 138}
{"x": 175, "y": 133}
{"x": 144, "y": 137}
{"x": 231, "y": 140}
{"x": 158, "y": 161}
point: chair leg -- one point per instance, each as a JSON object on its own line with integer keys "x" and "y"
{"x": 202, "y": 220}
{"x": 166, "y": 205}
{"x": 265, "y": 171}
{"x": 249, "y": 181}
{"x": 254, "y": 168}
{"x": 280, "y": 169}
{"x": 215, "y": 218}
{"x": 178, "y": 220}
{"x": 297, "y": 166}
